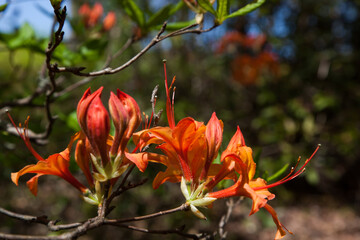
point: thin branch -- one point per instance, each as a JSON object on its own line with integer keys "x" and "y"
{"x": 109, "y": 70}
{"x": 84, "y": 81}
{"x": 26, "y": 237}
{"x": 158, "y": 38}
{"x": 226, "y": 217}
{"x": 23, "y": 217}
{"x": 183, "y": 207}
{"x": 39, "y": 219}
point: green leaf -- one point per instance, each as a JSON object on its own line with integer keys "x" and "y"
{"x": 134, "y": 12}
{"x": 223, "y": 9}
{"x": 164, "y": 14}
{"x": 24, "y": 37}
{"x": 3, "y": 7}
{"x": 177, "y": 25}
{"x": 160, "y": 16}
{"x": 205, "y": 4}
{"x": 245, "y": 10}
{"x": 278, "y": 173}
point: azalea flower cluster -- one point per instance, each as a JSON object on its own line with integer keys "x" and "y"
{"x": 189, "y": 149}
{"x": 101, "y": 156}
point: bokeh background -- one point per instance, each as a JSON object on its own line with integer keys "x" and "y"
{"x": 288, "y": 74}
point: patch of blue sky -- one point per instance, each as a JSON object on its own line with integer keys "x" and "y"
{"x": 37, "y": 13}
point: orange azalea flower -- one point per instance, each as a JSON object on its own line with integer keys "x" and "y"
{"x": 190, "y": 148}
{"x": 255, "y": 189}
{"x": 56, "y": 164}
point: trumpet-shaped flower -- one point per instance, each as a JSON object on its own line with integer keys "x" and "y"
{"x": 190, "y": 148}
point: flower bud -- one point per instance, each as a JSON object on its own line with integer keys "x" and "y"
{"x": 94, "y": 121}
{"x": 133, "y": 111}
{"x": 120, "y": 118}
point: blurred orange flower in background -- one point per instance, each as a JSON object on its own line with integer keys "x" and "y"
{"x": 250, "y": 59}
{"x": 91, "y": 16}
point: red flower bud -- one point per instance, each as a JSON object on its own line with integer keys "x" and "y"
{"x": 133, "y": 111}
{"x": 120, "y": 118}
{"x": 94, "y": 121}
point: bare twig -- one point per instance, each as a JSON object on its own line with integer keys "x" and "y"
{"x": 183, "y": 207}
{"x": 39, "y": 219}
{"x": 158, "y": 38}
{"x": 225, "y": 218}
{"x": 156, "y": 116}
{"x": 109, "y": 70}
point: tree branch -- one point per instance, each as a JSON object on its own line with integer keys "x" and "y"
{"x": 183, "y": 207}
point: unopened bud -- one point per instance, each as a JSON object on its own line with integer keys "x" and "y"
{"x": 95, "y": 122}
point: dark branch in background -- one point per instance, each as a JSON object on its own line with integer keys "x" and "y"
{"x": 158, "y": 38}
{"x": 225, "y": 218}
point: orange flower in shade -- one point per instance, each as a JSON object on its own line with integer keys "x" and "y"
{"x": 190, "y": 148}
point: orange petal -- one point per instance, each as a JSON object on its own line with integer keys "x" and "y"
{"x": 280, "y": 233}
{"x": 54, "y": 165}
{"x": 82, "y": 158}
{"x": 139, "y": 159}
{"x": 264, "y": 193}
{"x": 170, "y": 175}
{"x": 33, "y": 184}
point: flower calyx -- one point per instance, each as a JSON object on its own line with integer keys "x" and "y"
{"x": 196, "y": 197}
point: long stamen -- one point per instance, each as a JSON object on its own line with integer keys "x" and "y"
{"x": 292, "y": 170}
{"x": 24, "y": 136}
{"x": 290, "y": 176}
